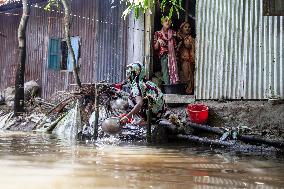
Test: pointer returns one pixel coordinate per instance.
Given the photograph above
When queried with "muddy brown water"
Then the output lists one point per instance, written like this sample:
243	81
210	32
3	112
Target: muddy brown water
36	161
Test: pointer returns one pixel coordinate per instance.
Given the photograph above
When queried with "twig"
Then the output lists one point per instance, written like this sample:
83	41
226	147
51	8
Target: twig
58	108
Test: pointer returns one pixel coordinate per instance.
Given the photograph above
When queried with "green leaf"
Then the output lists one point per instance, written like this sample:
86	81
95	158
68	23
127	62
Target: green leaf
177	11
51	3
47	7
138	6
146	3
127	11
171	12
136	12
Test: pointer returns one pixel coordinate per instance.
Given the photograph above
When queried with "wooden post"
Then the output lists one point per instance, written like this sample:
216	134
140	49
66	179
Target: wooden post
149	122
148	40
96	126
186	10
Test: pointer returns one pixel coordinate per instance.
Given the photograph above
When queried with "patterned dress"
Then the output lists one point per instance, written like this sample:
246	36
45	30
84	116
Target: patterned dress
167	55
151	94
187	62
164	49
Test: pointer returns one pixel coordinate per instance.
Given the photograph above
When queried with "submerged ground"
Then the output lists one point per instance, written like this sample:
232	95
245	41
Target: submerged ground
31	161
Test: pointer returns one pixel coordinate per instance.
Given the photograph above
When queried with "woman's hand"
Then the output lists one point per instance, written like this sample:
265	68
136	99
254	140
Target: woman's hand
162	42
135	110
124	119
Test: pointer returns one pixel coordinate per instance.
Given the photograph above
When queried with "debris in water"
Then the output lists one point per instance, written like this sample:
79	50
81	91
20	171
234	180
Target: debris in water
5	119
111	125
70	125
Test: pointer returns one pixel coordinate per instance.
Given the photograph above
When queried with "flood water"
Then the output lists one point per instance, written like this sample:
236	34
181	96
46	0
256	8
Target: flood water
35	161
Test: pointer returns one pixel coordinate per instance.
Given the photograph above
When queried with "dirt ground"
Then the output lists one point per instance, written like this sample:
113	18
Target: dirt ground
263	118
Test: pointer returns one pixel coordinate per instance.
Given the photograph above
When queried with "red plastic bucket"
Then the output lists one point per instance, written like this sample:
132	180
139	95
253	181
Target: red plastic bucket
198	113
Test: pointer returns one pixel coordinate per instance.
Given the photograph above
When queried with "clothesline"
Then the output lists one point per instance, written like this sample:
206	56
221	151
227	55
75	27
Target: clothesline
73	15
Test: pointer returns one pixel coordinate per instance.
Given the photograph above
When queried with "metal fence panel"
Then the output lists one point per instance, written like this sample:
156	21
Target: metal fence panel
239	51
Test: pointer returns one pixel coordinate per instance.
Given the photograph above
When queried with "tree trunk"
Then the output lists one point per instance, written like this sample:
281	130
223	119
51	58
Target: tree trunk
67	27
20	74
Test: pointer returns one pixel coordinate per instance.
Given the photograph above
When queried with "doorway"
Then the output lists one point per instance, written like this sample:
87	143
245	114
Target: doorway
184	16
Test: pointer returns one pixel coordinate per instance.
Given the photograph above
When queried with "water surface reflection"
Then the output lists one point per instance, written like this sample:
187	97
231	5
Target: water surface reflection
31	161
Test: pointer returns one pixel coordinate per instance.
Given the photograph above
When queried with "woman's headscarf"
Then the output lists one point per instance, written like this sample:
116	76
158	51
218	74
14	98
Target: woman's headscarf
135	71
180	32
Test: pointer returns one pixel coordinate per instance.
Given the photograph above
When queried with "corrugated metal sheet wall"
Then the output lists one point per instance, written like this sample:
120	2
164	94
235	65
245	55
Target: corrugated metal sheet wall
8	52
112	42
102	45
136	37
239	51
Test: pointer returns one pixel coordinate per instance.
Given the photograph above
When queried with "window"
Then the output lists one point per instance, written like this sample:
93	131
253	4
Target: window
58	56
54	54
273	7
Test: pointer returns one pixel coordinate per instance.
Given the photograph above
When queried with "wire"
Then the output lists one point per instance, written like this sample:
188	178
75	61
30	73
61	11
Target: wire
73	15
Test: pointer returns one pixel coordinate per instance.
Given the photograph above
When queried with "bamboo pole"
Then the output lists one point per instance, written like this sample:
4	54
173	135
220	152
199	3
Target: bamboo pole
149	121
96	126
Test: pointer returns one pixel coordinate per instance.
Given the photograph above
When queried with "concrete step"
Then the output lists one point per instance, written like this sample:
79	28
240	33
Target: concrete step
179	99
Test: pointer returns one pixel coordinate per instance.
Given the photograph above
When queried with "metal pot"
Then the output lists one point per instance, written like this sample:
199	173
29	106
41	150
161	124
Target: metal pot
111	125
119	104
